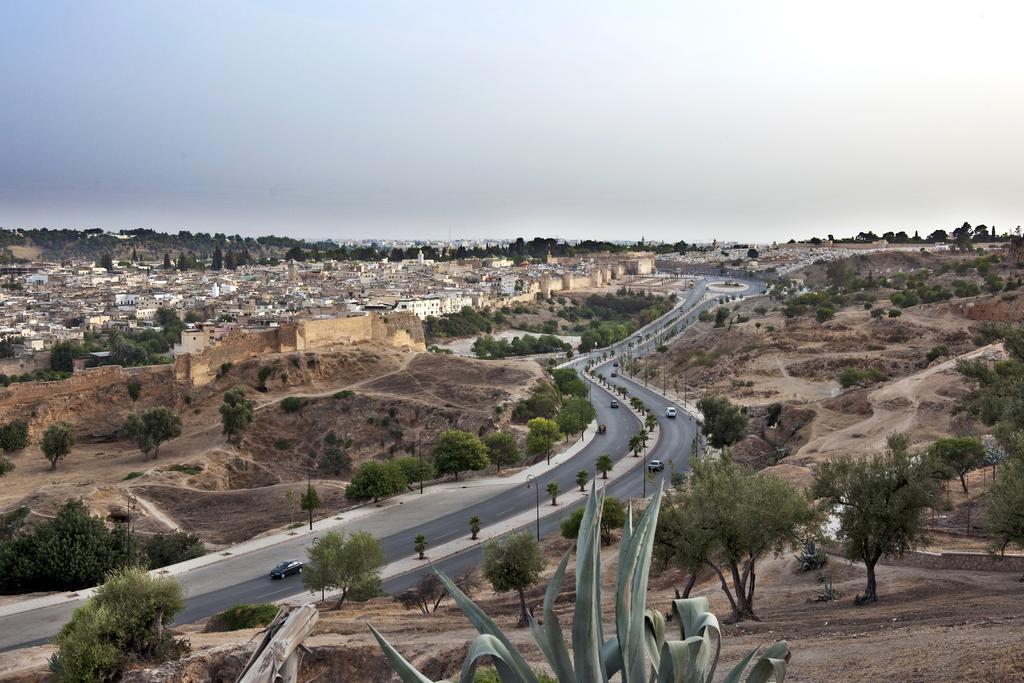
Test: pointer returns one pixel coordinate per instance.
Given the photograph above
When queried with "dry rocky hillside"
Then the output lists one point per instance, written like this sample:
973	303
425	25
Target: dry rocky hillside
377	400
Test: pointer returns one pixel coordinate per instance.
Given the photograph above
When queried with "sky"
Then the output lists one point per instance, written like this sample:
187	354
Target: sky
742	120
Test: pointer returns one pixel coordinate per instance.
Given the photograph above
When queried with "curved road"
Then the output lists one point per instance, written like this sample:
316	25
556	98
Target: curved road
243	579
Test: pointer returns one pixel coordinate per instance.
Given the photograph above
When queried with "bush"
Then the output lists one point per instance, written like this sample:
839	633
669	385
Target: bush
171	547
282	444
859	376
291	404
132	475
895	313
243	616
346	393
190	470
14	436
937	352
122	624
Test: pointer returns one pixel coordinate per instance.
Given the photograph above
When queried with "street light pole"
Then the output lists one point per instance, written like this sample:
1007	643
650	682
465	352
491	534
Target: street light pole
532	481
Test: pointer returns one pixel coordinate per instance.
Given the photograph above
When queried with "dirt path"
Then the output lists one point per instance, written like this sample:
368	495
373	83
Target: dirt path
154	512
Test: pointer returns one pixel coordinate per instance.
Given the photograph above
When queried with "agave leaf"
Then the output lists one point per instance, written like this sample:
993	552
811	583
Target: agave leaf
587	636
654	632
486	626
631	594
549	637
627	533
737	671
773	662
486	645
675	664
696	621
406	671
612	657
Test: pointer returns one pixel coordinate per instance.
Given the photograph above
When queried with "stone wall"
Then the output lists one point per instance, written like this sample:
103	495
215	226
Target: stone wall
953	560
402	329
39	360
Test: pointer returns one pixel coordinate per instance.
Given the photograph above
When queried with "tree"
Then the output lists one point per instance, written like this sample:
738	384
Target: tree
513	563
420	546
107	262
73	550
123	623
346	564
152	428
502	449
553	490
582	477
569	383
457	451
63	355
747	515
474	527
429	592
878	501
218	259
236	413
1004	508
57	442
575	415
637	443
542	437
724	423
613	517
335	461
604	464
167	262
309	502
375	480
958	455
6	466
14	436
415	469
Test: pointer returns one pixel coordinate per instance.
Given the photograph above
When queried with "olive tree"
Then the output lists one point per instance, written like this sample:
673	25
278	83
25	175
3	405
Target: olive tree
457	451
348	564
57	442
152	428
513	563
879	502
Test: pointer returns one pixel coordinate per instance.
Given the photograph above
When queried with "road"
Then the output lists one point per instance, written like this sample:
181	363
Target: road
243	579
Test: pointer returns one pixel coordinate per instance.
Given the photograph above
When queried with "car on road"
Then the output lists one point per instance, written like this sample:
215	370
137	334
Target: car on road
615	374
670	412
615	364
655	466
615	404
286	568
601	429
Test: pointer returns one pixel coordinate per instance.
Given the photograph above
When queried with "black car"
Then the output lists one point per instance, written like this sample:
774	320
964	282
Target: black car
615	374
286	568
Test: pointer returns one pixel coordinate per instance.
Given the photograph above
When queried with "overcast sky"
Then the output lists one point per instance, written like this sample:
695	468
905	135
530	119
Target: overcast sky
675	120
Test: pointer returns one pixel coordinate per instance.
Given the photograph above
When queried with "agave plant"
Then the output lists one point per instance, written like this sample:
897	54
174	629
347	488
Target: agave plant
638	650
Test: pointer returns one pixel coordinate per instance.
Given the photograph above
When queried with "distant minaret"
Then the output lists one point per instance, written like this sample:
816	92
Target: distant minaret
419	257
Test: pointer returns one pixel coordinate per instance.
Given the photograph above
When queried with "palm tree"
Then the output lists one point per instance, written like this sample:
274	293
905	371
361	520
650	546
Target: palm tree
581	480
604	465
553	490
421	545
474	526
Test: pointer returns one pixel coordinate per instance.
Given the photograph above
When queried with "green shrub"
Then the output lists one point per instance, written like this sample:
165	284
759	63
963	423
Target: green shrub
123	623
853	376
243	616
172	547
291	404
345	393
895	313
190	470
132	475
282	444
937	352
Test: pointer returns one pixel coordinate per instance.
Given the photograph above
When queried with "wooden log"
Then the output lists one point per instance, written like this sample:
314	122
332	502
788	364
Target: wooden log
275	658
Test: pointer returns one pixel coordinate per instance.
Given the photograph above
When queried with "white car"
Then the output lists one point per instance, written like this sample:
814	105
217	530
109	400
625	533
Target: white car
670	412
